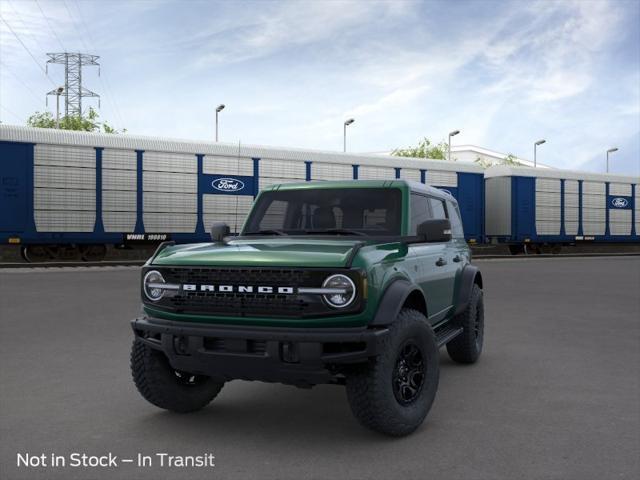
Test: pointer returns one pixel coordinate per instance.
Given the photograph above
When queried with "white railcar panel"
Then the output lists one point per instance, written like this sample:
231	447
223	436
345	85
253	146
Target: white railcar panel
571	200
411	174
551	199
119	221
64	220
119	159
547	185
594	201
594	214
331	171
571	186
571	214
548	227
65	177
214	164
442	178
598	188
119	180
231	209
619	222
64	156
571	228
119	201
170	222
169	162
282	169
547	213
170	202
170	182
620	189
366	172
593	228
64	199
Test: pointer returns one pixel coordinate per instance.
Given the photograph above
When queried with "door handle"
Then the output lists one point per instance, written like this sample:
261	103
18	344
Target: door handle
441	262
457	258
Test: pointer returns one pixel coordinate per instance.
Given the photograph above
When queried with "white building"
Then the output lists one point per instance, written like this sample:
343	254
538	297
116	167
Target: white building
470	153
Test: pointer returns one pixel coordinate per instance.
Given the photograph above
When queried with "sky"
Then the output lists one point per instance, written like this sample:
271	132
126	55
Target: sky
504	73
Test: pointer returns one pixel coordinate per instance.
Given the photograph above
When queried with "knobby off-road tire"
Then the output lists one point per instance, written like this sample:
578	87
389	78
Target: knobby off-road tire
167	388
467	347
373	390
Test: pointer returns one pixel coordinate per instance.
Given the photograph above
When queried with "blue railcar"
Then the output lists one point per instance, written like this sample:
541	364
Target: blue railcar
68	191
544	209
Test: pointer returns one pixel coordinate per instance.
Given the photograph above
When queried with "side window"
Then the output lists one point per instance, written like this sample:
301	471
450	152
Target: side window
420	211
437	207
456	222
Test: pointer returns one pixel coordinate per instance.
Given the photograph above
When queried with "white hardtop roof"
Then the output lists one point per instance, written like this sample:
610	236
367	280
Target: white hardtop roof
14	133
508	171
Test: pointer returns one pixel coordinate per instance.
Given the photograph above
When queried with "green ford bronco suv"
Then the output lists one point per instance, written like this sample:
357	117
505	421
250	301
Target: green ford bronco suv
355	283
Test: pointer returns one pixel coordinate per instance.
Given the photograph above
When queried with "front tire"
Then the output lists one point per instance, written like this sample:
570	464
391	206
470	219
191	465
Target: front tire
467	347
166	387
393	393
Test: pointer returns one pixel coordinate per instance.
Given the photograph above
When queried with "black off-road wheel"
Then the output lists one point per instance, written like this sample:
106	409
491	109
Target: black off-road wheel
393	393
467	347
166	387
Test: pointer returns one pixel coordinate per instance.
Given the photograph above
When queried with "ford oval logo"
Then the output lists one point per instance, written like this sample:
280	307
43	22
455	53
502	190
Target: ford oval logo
619	202
228	184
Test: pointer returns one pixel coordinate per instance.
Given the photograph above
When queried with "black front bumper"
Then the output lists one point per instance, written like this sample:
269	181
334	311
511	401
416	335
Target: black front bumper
287	355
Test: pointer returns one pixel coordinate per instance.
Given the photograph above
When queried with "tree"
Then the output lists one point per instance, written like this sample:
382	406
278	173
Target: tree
88	123
424	149
510	160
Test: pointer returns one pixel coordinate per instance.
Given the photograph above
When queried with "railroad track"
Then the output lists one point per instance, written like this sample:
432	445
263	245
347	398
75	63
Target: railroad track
137	263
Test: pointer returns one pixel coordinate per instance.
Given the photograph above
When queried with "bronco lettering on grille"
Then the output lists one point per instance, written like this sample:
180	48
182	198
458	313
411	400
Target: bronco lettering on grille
191	287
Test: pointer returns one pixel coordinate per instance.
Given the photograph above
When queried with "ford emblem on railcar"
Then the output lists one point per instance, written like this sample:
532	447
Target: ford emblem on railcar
228	184
619	202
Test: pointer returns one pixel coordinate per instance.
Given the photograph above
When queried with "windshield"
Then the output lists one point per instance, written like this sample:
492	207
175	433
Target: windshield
327	211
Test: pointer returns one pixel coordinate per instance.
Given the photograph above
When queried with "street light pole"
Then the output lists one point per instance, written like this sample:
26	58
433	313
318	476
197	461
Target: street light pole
611	150
219	108
535	152
59	91
452	134
344	134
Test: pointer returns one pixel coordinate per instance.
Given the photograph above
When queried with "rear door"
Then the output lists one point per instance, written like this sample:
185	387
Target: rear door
13	186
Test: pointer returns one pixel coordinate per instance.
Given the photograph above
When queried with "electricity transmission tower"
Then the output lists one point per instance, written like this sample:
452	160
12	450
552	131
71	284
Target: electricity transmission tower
74	92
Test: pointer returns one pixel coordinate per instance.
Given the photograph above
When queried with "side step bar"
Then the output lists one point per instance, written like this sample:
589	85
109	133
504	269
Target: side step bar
447	333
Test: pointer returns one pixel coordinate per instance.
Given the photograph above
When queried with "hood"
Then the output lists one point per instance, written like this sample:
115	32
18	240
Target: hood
276	252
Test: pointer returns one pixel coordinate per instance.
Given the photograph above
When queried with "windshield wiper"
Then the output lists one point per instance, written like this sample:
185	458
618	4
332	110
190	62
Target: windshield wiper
266	232
338	231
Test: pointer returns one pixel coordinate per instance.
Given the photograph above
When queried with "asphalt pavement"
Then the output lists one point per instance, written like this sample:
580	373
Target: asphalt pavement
556	393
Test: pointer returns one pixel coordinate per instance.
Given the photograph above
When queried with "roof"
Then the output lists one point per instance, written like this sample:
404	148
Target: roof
397	183
16	133
506	171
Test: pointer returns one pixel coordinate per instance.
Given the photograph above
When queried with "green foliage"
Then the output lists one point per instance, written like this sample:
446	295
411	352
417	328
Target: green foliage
424	149
88	123
510	160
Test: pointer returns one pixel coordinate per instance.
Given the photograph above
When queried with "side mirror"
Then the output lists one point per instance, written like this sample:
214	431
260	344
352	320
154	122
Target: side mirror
219	230
437	230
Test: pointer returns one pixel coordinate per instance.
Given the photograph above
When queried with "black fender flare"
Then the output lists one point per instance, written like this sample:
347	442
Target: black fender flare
470	275
392	301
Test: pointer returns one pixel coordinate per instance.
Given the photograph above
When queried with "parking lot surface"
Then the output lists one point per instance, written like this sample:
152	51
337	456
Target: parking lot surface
556	393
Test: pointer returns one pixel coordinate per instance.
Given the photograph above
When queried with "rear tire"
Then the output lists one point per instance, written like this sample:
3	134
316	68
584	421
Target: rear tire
393	393
467	347
166	387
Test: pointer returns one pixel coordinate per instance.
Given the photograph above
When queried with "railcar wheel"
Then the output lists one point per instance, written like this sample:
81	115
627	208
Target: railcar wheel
35	253
93	253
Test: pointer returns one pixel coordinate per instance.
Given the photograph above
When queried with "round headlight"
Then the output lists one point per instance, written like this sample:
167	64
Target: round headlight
345	291
150	285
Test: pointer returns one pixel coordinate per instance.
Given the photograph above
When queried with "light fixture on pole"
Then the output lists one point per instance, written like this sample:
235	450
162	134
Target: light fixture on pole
535	152
344	136
452	134
219	108
611	150
59	91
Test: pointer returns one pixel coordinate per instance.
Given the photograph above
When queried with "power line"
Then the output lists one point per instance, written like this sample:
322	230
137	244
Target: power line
105	84
75	27
28	51
20	81
24	25
11	113
50	27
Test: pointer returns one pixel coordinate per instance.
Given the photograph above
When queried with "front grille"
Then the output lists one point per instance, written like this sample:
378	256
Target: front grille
248	304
